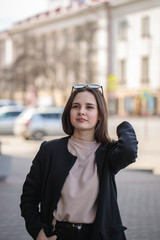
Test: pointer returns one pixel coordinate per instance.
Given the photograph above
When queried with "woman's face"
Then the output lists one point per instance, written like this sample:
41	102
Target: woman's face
84	112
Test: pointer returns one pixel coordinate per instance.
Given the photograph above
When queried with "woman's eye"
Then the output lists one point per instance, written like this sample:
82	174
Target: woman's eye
74	106
90	107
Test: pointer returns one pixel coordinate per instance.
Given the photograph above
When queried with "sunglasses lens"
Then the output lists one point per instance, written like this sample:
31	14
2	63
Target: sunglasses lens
79	86
94	86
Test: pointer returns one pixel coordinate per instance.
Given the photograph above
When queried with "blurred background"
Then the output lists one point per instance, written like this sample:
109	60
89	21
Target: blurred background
112	43
46	46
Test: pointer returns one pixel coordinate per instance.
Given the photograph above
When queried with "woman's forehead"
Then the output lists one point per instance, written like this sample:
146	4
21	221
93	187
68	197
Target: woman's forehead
85	97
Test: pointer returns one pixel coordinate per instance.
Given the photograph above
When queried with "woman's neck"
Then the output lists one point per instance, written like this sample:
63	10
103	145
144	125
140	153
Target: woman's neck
84	136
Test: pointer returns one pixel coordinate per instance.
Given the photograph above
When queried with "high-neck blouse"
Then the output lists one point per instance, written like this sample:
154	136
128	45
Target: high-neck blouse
78	203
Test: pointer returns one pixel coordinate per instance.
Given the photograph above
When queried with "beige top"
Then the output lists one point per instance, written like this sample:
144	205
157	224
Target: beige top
77	203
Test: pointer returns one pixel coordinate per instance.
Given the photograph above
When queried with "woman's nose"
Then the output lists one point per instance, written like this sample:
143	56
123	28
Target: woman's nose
82	111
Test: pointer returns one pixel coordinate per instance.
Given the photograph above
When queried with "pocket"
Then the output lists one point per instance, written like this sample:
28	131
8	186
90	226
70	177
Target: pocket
58	238
59	234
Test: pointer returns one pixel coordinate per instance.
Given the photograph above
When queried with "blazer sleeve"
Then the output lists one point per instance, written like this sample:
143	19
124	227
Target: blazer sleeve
125	149
30	198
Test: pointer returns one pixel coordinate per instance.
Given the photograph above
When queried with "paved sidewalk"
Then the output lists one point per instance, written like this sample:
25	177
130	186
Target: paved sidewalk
139	201
138	196
11	223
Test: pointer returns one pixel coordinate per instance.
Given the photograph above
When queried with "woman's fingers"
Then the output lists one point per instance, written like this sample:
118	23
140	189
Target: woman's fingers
53	238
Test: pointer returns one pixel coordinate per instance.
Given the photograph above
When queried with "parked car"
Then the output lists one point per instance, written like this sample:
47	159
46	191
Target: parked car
8	115
35	123
8	102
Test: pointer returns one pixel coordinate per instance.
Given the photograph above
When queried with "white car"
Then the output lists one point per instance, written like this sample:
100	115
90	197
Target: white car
8	102
35	123
8	115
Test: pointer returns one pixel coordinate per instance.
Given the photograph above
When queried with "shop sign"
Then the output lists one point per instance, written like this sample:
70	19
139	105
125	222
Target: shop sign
112	83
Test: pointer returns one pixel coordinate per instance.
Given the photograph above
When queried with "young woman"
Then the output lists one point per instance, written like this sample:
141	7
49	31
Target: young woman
73	178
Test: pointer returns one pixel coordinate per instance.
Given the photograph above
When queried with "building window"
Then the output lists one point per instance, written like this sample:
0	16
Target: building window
122	30
145	70
145	27
122	72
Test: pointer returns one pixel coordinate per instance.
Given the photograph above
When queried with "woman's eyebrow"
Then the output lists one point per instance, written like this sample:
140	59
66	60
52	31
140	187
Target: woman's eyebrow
85	103
90	104
75	103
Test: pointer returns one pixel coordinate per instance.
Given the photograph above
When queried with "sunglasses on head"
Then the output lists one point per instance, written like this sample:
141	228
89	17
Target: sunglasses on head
94	86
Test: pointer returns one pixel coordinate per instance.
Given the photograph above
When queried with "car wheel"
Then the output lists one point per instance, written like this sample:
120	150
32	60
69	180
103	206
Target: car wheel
38	135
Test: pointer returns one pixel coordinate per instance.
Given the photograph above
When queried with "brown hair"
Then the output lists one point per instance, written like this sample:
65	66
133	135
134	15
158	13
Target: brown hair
101	130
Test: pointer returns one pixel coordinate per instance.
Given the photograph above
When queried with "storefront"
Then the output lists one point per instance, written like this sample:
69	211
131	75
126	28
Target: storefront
133	105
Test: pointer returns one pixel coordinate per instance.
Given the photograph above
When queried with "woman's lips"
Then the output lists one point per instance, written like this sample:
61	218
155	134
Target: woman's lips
81	119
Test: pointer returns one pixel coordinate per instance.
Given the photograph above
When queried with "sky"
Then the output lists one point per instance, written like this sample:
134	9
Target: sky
12	11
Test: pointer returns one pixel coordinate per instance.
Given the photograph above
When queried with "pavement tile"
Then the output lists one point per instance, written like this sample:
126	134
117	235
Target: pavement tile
138	196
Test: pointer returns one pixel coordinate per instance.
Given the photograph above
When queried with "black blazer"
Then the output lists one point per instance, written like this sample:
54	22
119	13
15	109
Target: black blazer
50	169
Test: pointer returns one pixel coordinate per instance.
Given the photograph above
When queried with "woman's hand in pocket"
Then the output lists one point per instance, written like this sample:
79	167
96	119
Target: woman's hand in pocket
42	236
52	238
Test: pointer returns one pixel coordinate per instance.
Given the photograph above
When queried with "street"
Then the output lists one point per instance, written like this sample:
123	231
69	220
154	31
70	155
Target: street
138	187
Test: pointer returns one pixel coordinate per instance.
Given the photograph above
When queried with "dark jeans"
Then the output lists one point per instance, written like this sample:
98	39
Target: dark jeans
73	233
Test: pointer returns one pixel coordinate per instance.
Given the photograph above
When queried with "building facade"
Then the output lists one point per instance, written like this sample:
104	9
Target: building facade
112	43
135	56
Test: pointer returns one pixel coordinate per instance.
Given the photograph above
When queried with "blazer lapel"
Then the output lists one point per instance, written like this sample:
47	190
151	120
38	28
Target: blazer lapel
60	168
100	158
